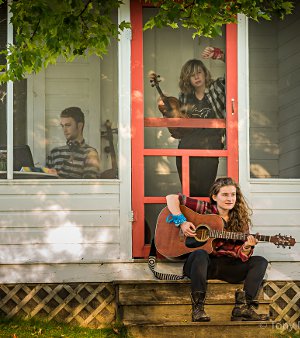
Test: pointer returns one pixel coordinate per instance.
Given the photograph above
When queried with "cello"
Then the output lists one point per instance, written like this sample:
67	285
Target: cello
113	172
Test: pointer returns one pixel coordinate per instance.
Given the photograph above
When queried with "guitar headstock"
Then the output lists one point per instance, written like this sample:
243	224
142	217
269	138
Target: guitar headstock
154	79
283	240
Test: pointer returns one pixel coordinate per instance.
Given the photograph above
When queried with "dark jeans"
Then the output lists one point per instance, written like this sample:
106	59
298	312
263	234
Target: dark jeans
203	172
200	266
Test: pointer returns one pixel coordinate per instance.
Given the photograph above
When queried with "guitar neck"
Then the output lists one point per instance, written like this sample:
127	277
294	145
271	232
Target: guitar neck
238	236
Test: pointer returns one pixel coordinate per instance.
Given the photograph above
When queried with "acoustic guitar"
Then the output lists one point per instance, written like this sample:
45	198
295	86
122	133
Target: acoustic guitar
170	241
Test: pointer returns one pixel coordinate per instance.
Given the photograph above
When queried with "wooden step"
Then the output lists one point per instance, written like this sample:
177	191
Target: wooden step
175	292
169	301
177	313
206	330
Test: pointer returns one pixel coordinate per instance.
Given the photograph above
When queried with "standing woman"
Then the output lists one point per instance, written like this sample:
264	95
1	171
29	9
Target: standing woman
231	260
201	97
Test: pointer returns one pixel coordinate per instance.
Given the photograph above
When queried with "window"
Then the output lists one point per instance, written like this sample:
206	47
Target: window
87	85
275	98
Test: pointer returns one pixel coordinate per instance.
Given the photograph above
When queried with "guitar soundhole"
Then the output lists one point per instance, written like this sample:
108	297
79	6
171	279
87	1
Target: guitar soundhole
202	233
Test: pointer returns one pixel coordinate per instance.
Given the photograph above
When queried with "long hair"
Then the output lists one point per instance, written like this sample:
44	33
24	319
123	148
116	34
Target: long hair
239	215
187	70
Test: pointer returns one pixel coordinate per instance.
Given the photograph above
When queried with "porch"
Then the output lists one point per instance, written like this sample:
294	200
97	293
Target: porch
95	295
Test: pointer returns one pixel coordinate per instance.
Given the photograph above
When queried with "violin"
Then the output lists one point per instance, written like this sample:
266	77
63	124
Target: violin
171	106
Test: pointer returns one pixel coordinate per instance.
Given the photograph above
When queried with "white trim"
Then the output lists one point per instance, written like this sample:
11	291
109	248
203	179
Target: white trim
243	102
124	48
94	102
38	115
117	271
9	102
29	109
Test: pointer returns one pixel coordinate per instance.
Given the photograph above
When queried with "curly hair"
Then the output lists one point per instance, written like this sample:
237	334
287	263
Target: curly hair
239	215
187	70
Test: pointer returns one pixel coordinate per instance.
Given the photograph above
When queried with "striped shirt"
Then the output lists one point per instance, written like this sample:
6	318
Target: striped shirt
221	247
81	161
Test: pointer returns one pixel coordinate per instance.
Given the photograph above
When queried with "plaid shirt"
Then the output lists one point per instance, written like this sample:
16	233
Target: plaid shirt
221	247
216	97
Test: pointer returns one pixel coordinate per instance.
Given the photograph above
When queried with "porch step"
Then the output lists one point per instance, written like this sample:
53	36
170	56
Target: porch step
202	330
163	309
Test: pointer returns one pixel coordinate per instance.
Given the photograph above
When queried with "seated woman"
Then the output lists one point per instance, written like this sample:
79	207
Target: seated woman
231	260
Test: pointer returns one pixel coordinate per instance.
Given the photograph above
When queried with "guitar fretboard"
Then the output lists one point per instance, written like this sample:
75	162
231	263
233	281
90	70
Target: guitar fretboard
238	235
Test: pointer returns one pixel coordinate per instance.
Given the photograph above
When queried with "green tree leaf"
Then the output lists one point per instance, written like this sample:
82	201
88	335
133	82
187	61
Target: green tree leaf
45	30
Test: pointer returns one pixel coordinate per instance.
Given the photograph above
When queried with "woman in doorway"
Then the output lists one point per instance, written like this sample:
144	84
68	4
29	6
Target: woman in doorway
201	97
231	260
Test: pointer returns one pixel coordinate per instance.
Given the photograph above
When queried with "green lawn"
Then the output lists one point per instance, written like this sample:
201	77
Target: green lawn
18	328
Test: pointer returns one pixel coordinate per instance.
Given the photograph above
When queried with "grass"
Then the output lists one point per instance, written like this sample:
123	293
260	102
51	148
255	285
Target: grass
288	335
20	328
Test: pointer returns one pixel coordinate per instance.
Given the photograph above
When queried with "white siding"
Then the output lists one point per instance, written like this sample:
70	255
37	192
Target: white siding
276	210
59	223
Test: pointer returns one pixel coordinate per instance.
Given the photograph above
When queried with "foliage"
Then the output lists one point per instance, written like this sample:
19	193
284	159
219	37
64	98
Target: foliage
46	29
207	17
18	328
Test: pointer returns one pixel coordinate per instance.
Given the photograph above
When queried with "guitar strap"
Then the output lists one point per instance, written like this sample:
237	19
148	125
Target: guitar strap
152	264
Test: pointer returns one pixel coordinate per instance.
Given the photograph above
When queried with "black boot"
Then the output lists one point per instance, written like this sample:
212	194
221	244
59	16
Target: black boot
244	310
198	314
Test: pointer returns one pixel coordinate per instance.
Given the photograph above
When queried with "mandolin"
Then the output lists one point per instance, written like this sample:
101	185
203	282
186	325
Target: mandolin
171	106
170	241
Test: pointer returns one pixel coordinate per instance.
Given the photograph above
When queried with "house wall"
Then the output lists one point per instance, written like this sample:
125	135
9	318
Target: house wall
263	81
71	221
274	97
49	228
289	95
275	202
59	223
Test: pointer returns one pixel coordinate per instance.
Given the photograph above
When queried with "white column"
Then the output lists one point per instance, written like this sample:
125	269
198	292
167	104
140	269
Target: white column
124	134
9	103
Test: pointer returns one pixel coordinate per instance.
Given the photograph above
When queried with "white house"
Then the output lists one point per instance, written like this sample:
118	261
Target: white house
94	231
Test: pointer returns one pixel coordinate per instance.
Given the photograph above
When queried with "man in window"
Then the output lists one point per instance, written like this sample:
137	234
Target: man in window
76	159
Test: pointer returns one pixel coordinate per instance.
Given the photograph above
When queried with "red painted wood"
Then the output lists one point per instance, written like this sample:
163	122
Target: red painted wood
185	174
162	199
187	123
232	101
185	152
139	122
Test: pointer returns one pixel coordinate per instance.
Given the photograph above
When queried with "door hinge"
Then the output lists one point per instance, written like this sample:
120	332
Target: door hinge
131	216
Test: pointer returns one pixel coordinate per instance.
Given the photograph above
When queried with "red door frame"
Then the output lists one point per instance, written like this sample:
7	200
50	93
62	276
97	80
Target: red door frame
139	122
